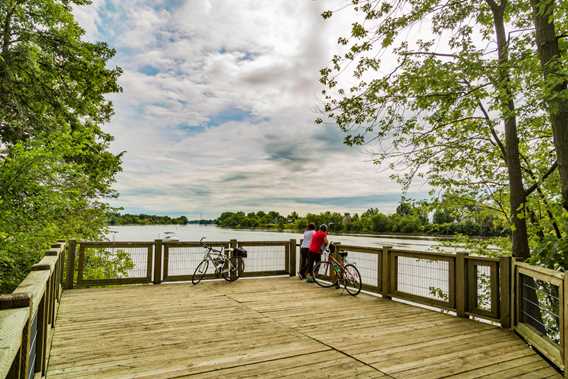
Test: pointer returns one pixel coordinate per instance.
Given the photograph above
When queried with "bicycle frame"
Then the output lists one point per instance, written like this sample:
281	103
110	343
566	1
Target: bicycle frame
217	258
335	263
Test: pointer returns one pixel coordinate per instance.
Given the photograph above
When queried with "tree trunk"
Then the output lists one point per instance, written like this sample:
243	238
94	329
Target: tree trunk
555	84
517	196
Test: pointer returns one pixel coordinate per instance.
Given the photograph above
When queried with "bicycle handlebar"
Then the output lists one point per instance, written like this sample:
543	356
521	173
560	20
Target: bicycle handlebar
201	241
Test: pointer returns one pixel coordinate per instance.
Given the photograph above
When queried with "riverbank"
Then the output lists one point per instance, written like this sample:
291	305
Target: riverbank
408	236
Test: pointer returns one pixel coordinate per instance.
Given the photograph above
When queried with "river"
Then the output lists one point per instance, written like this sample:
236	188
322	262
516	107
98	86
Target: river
212	232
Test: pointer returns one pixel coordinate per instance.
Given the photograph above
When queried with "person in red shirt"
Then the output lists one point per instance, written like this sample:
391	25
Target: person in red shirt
319	241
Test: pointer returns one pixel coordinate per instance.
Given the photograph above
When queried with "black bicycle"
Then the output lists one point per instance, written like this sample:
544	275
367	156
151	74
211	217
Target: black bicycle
227	263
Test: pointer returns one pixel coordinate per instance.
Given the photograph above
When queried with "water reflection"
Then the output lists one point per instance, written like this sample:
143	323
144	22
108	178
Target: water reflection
195	232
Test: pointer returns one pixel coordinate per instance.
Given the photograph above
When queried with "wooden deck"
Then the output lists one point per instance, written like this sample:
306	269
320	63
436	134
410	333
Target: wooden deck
279	327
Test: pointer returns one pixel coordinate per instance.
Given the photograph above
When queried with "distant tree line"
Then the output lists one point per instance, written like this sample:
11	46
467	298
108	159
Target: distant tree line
201	222
143	219
435	218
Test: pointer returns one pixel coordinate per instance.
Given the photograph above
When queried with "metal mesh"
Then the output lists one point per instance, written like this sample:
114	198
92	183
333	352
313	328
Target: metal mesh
483	287
367	264
184	260
540	307
33	347
115	263
265	258
423	277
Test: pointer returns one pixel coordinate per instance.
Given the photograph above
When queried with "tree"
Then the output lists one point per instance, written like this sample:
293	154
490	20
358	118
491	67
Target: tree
448	105
555	87
55	165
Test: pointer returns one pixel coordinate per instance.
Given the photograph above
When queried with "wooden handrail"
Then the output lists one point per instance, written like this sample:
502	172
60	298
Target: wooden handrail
36	298
557	353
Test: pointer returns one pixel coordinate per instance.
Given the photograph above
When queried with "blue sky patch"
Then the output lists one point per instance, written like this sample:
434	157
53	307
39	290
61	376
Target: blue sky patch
247	56
150	70
230	114
361	202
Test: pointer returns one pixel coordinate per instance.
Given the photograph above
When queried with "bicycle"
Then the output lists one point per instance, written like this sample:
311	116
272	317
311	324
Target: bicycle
228	268
335	268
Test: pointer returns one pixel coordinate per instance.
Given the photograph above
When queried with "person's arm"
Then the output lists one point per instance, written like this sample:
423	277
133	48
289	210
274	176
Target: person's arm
325	241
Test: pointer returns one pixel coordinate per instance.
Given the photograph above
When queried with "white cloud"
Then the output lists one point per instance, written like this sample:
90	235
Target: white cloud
218	107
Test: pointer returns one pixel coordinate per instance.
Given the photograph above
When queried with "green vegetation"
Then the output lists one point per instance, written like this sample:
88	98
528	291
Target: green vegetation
476	106
107	264
55	166
142	219
410	218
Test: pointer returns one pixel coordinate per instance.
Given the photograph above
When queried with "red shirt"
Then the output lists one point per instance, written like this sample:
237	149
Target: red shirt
317	241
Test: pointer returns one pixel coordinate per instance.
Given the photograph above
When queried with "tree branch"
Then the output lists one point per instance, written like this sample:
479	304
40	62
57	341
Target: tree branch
535	186
493	131
430	53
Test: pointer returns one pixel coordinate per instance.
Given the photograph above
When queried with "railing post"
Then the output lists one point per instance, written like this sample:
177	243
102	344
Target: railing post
158	261
505	291
461	285
233	244
386	272
292	259
42	325
22	360
565	324
513	294
70	264
287	257
333	274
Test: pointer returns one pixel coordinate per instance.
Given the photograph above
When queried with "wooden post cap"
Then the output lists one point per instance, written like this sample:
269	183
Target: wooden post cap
15	300
41	267
52	252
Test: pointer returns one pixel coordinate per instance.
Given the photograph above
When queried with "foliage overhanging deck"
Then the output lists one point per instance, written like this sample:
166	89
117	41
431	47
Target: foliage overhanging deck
272	327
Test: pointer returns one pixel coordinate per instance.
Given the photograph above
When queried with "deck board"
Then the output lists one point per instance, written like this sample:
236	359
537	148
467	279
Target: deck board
272	327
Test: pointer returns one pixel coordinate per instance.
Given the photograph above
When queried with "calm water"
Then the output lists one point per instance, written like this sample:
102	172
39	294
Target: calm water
211	232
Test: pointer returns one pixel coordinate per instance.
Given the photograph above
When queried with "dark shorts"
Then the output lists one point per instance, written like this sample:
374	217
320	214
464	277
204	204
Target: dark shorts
313	259
304	251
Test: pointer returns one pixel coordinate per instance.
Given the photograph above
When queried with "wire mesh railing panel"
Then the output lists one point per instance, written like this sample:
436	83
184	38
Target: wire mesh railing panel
265	258
33	347
367	264
184	260
483	288
540	307
423	277
115	262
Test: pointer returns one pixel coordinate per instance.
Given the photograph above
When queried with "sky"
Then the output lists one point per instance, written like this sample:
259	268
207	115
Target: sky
218	106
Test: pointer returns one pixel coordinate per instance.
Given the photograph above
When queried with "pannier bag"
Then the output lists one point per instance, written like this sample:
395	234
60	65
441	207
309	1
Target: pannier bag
240	252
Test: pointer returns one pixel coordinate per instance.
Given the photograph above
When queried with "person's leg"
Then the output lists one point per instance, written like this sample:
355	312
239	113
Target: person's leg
310	266
317	259
303	262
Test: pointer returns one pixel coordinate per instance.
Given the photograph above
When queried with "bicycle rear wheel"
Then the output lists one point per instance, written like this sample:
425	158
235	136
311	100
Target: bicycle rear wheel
322	274
200	271
352	280
235	267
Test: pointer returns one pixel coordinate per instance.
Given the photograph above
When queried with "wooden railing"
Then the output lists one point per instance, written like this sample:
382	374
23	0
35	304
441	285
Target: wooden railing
532	300
27	318
467	285
157	261
540	313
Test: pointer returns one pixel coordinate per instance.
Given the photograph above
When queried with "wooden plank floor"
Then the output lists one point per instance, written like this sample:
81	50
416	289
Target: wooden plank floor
277	327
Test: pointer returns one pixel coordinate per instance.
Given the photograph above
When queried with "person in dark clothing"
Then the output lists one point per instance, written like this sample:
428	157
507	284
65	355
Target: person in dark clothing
305	249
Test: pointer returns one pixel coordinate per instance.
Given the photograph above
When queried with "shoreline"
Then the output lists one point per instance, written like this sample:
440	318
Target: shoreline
408	236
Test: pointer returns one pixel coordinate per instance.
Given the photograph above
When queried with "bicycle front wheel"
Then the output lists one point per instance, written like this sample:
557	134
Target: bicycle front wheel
322	274
200	271
352	280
